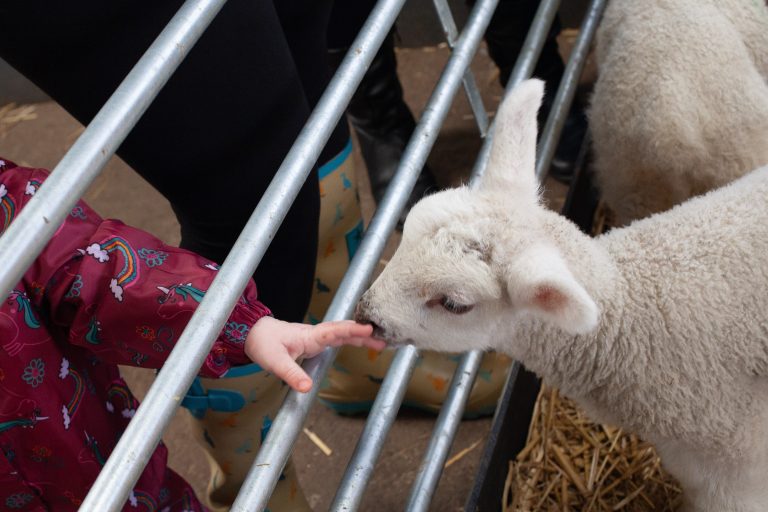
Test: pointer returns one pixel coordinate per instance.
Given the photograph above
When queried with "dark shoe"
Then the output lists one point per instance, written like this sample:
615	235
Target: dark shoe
384	124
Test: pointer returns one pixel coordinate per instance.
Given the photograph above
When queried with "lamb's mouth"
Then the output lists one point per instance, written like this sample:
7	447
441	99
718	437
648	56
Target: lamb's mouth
391	339
391	343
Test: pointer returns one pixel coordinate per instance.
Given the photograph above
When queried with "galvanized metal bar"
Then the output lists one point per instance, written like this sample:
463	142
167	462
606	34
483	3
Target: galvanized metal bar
461	384
142	435
445	431
526	62
38	221
476	102
470	84
567	90
380	419
509	427
350	492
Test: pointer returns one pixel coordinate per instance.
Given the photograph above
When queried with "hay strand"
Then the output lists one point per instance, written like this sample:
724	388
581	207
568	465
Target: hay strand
318	442
461	454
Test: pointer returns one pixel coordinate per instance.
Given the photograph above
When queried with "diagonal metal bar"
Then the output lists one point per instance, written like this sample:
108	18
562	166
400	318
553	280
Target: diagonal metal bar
30	232
143	433
461	386
567	90
445	431
470	84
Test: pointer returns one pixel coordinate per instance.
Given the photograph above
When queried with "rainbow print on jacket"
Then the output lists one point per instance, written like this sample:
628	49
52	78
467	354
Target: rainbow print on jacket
128	274
69	409
7	207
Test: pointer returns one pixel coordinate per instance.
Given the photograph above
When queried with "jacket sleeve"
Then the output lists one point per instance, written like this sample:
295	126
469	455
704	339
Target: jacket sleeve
121	293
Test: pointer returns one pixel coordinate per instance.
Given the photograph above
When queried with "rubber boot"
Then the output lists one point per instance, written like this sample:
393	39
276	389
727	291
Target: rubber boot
232	415
384	124
340	229
231	418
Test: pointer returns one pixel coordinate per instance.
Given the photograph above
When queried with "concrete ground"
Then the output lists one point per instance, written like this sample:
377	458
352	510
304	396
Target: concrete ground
41	134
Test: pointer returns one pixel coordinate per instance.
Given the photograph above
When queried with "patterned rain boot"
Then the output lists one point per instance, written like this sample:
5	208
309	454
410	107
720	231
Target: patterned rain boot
233	416
341	229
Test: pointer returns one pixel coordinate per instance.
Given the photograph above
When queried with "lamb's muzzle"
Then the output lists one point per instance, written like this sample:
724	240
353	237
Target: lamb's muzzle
363	316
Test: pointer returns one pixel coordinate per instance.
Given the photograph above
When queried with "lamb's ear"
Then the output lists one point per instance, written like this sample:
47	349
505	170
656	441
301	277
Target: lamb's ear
513	149
539	282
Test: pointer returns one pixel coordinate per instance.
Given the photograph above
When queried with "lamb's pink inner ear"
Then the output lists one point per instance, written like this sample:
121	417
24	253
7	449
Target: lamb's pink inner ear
549	299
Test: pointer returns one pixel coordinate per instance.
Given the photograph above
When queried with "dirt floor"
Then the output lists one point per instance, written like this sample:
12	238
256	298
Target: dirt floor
40	134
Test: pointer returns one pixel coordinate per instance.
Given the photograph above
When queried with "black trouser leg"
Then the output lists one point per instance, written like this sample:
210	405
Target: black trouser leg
506	34
214	137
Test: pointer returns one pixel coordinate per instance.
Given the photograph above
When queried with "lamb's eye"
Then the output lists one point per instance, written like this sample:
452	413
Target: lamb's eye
455	307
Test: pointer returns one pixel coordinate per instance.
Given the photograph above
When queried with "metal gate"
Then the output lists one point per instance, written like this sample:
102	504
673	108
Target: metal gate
36	224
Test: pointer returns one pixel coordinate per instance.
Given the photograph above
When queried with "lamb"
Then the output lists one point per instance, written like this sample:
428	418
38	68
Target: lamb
659	327
680	106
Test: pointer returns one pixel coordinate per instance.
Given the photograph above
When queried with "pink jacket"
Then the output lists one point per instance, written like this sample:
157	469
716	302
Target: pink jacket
100	294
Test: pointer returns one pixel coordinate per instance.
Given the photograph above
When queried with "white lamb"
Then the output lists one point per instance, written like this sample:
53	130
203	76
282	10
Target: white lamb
680	106
660	327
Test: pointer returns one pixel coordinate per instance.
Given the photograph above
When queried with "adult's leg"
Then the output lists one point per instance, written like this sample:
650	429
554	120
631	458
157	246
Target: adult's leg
214	136
506	34
236	436
341	224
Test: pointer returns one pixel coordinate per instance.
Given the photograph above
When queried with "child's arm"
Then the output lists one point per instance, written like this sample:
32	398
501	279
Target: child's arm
127	297
122	294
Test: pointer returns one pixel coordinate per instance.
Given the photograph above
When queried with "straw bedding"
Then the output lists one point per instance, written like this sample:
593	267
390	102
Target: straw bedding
571	463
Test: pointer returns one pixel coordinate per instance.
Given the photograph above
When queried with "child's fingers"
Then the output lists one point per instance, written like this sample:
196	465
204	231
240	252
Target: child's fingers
358	341
327	332
285	368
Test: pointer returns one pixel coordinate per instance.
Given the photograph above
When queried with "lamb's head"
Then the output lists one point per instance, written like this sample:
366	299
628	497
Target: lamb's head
475	261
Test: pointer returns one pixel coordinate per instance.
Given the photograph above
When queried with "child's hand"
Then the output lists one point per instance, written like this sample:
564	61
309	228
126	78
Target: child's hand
275	345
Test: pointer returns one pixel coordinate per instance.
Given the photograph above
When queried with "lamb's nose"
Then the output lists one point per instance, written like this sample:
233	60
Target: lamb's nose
362	317
361	314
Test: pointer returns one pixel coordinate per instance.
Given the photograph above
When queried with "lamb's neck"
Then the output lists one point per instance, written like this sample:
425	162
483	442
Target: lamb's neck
577	364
